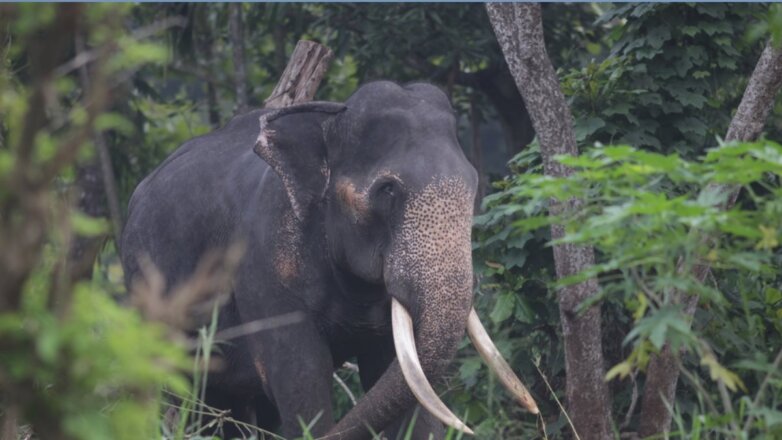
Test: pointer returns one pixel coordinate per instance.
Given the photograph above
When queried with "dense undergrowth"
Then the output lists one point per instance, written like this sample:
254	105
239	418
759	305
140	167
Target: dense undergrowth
664	78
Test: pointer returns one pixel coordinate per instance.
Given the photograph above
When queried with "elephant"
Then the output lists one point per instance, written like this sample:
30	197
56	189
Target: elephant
356	215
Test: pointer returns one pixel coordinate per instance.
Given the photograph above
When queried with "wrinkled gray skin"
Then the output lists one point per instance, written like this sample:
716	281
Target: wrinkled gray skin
347	207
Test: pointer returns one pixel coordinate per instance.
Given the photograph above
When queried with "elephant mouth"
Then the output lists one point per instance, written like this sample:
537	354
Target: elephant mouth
405	346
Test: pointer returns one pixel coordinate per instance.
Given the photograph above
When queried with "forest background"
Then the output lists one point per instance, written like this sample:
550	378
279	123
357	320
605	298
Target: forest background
94	96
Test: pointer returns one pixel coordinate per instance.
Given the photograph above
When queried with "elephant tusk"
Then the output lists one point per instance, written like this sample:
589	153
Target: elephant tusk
404	343
494	359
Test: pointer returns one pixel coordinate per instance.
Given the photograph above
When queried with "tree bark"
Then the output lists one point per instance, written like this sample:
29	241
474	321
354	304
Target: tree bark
24	211
107	183
236	29
305	70
477	156
519	31
206	54
746	125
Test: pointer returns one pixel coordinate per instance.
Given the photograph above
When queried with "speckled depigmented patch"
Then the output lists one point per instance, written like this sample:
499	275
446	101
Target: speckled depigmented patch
261	370
287	250
355	202
434	252
352	201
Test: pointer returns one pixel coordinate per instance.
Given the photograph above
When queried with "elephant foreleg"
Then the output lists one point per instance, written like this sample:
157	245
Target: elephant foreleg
297	366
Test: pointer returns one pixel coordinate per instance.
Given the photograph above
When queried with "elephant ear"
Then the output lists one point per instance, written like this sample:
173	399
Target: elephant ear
291	141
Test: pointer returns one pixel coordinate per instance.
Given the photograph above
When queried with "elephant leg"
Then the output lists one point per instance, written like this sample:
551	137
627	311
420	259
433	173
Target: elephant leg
295	363
372	363
239	410
266	415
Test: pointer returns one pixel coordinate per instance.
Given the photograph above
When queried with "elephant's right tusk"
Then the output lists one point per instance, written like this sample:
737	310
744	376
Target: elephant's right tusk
404	343
494	359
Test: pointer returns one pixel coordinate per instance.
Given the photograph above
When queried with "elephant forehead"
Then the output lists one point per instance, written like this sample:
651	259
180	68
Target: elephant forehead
384	94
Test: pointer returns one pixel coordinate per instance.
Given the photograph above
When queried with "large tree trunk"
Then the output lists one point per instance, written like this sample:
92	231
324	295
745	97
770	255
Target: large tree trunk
519	31
663	371
236	28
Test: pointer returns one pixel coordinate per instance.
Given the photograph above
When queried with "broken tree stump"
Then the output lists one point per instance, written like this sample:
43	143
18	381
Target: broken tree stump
302	76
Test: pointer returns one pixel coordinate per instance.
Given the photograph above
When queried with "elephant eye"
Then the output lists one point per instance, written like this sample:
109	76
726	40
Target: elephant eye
387	189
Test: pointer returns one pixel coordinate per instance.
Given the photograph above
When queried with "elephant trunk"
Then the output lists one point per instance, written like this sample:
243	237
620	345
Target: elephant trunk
429	277
423	349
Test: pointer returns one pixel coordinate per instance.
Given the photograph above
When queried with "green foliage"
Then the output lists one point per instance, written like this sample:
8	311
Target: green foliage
75	363
663	77
515	294
433	38
651	218
93	374
672	72
672	76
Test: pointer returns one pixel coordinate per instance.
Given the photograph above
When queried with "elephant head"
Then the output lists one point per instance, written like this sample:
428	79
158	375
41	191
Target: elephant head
387	173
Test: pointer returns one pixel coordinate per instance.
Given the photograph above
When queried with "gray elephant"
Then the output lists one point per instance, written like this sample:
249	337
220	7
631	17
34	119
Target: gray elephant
356	215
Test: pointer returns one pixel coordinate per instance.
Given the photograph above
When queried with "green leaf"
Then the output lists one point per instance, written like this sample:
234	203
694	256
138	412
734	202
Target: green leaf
503	308
524	313
771	417
586	127
690	30
720	373
87	226
622	369
469	368
114	121
665	325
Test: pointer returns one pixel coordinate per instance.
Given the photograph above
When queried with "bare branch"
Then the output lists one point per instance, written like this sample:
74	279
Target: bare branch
249	328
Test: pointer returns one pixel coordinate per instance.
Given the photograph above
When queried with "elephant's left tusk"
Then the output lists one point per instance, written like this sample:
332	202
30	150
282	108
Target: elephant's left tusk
404	343
494	359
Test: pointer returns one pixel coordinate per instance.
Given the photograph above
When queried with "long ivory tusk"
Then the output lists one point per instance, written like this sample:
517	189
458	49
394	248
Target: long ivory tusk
404	343
494	359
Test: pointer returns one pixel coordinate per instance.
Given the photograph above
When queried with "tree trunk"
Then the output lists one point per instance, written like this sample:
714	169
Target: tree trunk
24	211
107	183
519	31
236	29
302	76
663	371
206	54
477	156
499	86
